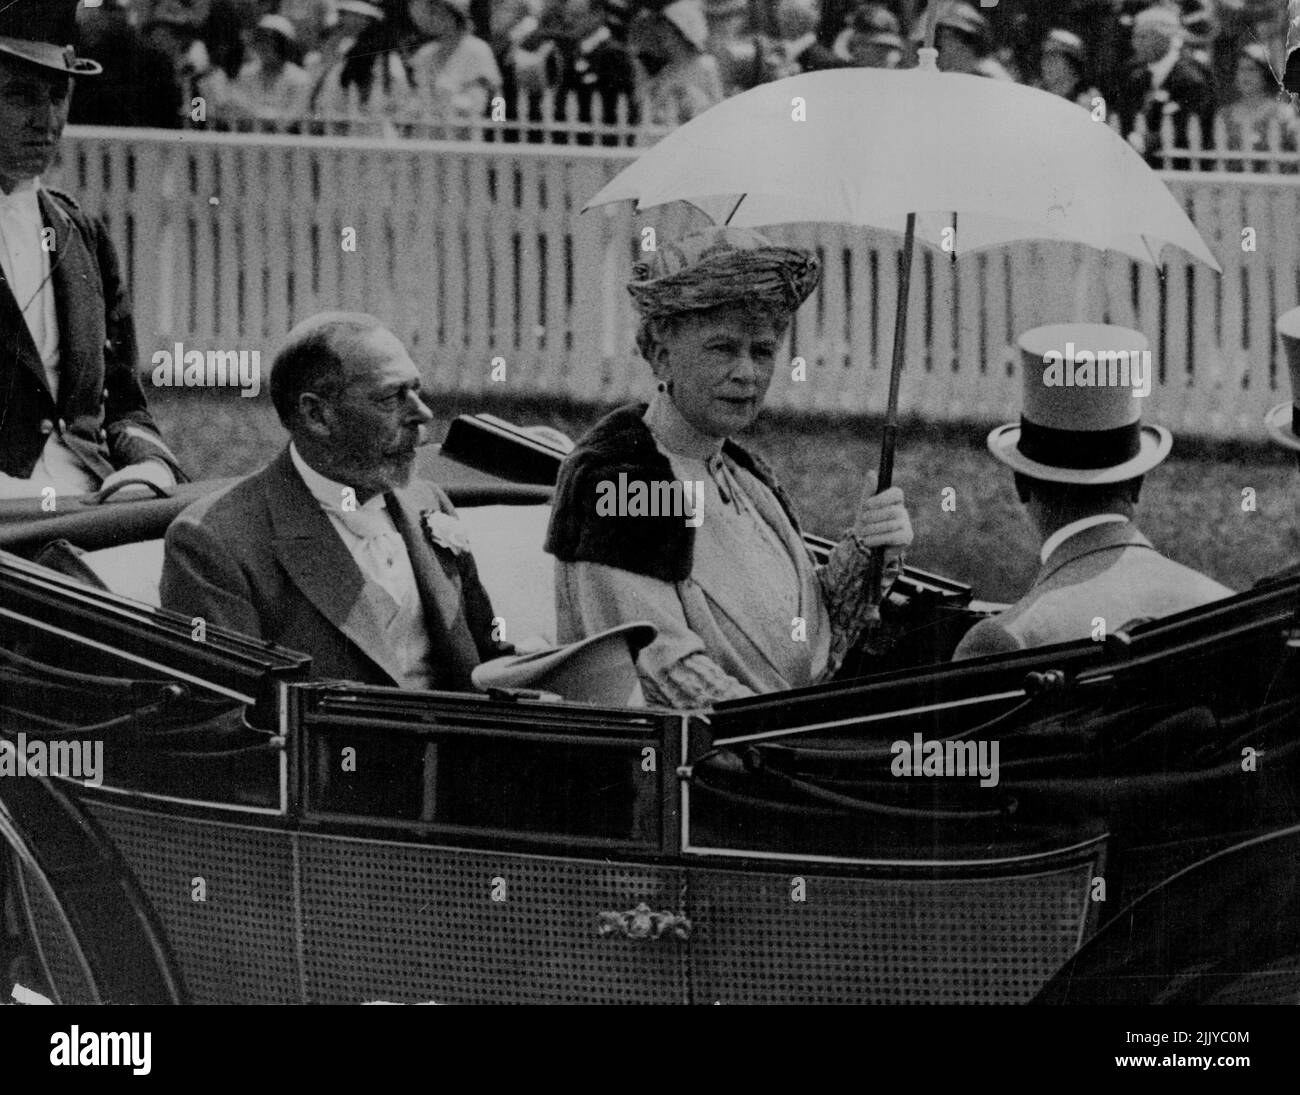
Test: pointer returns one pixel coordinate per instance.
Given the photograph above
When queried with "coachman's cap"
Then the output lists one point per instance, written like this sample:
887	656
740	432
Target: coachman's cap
42	33
1085	433
1283	421
720	266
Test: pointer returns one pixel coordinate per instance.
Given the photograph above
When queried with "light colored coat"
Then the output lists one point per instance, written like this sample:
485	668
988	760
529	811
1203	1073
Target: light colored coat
1108	572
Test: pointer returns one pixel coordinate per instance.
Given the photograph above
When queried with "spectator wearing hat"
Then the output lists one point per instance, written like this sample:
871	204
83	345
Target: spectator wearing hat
351	20
1256	120
454	72
271	87
872	39
595	66
797	48
575	51
347	19
1163	82
225	29
1061	69
523	44
740	606
176	32
1201	35
962	38
192	13
744	56
138	86
376	75
834	18
680	79
75	415
1079	454
311	21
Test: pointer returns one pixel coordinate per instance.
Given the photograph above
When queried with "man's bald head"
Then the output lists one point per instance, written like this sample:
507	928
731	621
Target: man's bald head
314	358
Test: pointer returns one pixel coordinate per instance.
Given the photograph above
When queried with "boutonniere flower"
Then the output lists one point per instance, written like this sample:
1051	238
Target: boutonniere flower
444	531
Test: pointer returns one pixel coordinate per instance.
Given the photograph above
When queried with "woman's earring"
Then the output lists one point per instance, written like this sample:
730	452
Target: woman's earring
662	386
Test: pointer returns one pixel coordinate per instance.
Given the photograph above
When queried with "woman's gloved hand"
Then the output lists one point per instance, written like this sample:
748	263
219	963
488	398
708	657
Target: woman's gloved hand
882	521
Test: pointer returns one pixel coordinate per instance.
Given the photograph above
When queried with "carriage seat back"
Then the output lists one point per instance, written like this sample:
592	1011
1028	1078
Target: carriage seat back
506	541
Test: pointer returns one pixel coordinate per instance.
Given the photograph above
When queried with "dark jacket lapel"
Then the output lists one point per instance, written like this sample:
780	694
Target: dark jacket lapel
79	306
452	651
322	568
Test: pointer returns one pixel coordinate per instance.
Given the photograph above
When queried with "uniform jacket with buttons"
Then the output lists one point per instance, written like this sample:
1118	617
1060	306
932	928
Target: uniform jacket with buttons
101	408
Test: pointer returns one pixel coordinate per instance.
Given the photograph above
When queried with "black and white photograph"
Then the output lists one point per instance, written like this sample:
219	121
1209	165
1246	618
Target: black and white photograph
624	502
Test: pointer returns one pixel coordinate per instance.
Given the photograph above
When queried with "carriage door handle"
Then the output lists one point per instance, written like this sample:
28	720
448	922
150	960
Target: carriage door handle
643	923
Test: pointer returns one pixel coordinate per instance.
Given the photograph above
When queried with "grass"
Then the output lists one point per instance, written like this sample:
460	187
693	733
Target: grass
1191	505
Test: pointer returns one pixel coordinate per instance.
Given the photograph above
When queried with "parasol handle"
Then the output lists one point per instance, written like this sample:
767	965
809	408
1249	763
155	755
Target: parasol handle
889	434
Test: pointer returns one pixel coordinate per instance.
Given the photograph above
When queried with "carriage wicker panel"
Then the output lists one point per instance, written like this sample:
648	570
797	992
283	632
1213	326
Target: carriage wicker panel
55	944
387	921
411	923
882	940
237	946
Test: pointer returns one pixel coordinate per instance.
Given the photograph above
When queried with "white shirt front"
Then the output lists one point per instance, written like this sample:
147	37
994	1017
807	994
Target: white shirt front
380	553
27	269
26	266
1074	528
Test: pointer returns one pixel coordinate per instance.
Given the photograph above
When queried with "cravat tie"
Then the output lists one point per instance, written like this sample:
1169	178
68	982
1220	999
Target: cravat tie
383	550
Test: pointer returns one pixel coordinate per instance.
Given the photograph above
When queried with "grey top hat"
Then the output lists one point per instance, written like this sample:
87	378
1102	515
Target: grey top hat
598	669
1283	421
1081	420
42	33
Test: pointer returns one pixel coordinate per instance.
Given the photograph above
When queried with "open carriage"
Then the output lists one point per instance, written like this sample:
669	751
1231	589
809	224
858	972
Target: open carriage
256	837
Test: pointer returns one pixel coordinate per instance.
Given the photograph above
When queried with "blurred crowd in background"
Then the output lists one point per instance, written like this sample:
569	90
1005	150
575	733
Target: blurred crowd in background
296	64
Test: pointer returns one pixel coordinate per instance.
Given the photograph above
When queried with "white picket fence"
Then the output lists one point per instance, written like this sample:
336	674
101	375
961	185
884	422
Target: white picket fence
405	114
554	119
477	256
1273	150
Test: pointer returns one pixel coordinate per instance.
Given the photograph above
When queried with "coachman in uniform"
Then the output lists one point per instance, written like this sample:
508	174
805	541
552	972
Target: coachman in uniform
73	414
